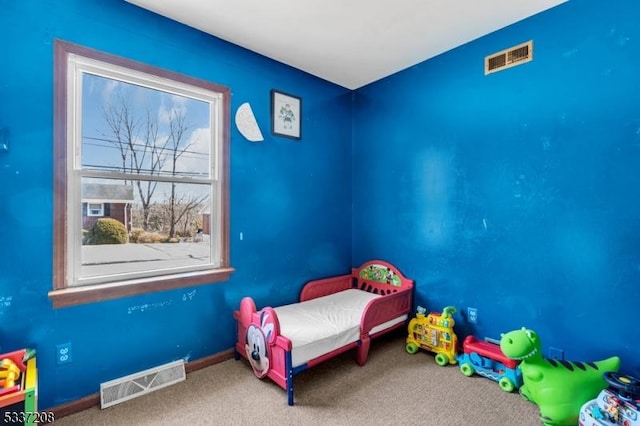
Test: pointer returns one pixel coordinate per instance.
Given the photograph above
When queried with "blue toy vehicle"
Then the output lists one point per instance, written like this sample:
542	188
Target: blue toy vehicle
486	359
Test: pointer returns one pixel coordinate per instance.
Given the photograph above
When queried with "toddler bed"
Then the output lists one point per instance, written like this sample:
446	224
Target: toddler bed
333	316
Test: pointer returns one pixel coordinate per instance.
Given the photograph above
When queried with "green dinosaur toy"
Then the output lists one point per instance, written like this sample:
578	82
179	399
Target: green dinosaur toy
559	388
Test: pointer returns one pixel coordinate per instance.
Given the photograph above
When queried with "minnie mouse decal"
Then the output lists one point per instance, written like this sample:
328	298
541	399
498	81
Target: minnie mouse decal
257	338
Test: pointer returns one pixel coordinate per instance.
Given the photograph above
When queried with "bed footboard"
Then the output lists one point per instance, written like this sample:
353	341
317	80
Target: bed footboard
259	341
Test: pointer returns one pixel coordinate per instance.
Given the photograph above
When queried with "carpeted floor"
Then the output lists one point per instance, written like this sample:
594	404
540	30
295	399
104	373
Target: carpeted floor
392	388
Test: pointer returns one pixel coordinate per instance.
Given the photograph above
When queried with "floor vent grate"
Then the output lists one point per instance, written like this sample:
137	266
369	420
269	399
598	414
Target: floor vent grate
510	57
134	385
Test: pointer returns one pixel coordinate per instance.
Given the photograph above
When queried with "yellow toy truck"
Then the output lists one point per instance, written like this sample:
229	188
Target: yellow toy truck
434	333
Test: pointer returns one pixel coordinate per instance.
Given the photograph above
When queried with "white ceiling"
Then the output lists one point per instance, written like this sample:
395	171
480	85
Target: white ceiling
348	42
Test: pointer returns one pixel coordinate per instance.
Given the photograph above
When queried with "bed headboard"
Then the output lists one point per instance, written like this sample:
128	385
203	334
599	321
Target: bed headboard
379	277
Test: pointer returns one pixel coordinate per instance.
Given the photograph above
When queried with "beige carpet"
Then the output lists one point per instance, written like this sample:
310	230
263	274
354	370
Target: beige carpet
392	388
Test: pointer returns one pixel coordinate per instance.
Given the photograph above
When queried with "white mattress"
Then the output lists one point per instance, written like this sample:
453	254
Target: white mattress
321	325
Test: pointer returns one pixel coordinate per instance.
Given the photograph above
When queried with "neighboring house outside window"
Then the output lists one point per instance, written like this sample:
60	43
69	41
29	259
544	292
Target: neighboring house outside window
149	148
100	200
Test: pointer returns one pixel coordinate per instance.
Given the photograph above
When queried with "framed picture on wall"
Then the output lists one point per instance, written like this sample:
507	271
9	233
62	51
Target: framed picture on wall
286	115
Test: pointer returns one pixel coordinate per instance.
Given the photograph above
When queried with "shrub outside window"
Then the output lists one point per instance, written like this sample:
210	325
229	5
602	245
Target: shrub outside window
141	171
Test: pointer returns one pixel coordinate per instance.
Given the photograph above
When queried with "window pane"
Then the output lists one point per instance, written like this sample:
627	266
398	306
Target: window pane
95	209
130	128
151	227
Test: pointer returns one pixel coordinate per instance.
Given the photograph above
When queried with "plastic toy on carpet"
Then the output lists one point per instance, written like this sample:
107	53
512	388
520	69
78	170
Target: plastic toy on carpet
486	359
619	404
434	332
559	388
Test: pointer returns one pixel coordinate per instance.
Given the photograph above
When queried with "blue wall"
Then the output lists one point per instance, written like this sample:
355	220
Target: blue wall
517	193
291	200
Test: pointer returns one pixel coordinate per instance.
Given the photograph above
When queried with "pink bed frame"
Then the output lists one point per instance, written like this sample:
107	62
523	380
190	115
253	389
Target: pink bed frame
375	276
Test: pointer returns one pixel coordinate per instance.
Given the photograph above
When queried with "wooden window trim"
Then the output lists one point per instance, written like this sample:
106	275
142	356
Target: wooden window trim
95	293
62	295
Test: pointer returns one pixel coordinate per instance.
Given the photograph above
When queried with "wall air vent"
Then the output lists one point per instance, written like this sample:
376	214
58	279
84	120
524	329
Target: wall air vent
510	57
137	384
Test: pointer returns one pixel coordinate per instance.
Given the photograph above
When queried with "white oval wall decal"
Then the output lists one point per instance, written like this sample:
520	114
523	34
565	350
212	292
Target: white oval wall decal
246	123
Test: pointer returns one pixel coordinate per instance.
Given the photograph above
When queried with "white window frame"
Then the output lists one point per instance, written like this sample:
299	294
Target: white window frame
90	212
70	287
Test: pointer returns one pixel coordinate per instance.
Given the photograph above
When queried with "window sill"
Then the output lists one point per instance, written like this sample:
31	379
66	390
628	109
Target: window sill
97	293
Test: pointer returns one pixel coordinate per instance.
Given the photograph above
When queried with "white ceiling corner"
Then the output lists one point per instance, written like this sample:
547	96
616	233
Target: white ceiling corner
350	43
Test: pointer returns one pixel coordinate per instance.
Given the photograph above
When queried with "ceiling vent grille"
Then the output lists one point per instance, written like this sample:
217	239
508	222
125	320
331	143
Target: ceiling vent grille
510	57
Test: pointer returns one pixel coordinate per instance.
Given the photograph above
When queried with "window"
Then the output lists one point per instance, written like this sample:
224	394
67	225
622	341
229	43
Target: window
95	209
153	146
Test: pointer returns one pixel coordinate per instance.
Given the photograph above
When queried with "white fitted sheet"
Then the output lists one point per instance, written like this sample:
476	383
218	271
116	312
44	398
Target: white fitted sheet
318	326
